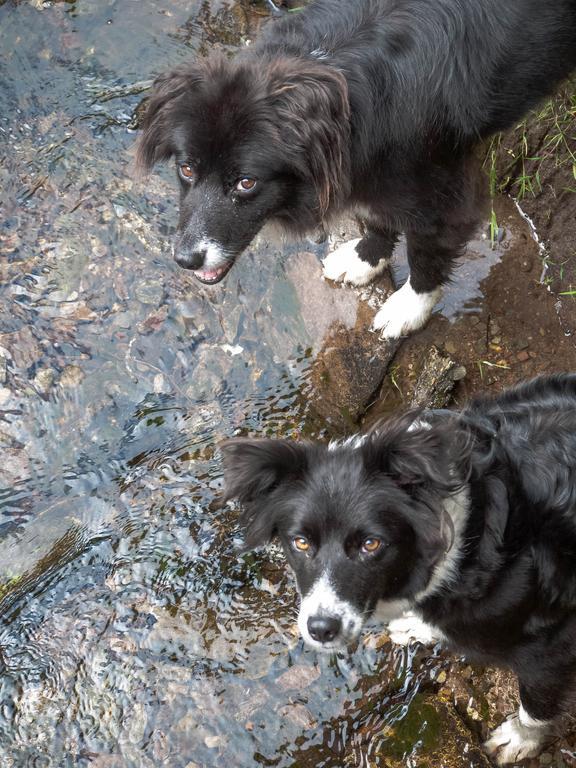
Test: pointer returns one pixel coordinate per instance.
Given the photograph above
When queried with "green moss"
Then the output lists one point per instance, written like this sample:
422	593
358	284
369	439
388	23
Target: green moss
421	727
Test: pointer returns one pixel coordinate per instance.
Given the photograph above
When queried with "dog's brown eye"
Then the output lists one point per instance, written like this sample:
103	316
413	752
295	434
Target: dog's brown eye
186	171
246	185
301	543
371	545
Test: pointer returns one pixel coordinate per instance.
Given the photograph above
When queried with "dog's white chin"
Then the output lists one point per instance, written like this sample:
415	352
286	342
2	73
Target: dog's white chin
322	599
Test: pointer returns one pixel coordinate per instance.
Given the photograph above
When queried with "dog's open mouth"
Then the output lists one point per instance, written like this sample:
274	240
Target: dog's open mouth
212	276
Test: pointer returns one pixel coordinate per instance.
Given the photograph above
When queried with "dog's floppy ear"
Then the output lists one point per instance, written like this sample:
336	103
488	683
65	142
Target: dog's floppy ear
155	143
253	470
312	115
416	454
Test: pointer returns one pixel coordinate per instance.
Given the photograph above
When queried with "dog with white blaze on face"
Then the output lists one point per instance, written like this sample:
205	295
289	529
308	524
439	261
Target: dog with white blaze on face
367	107
452	526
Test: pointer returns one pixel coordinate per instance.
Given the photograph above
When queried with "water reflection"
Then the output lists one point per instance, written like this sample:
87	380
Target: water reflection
132	633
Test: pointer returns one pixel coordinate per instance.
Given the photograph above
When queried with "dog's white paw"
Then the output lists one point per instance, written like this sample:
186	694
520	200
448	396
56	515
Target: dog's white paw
513	741
405	311
410	627
344	265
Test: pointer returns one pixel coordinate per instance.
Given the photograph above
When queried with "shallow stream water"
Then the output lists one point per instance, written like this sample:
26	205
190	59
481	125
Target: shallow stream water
132	633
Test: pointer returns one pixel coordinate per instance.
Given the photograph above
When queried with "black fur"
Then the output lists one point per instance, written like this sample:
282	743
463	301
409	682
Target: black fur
369	105
511	600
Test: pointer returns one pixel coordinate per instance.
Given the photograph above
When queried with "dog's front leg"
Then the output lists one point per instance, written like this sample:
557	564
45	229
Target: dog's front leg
430	259
360	260
524	734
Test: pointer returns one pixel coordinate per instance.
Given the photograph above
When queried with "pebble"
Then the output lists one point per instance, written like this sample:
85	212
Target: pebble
138	720
298	677
522	356
213	741
161	747
459	373
150	292
71	376
43	380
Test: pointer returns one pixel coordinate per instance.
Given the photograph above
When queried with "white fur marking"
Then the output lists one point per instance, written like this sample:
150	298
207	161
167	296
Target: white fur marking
345	265
215	254
322	600
405	311
530	722
410	627
388	610
517	738
446	570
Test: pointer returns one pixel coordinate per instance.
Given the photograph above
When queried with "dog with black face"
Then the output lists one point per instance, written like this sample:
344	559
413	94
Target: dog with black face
370	107
458	526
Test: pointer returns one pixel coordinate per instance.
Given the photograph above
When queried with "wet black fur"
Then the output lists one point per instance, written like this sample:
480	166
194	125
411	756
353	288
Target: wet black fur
370	105
512	601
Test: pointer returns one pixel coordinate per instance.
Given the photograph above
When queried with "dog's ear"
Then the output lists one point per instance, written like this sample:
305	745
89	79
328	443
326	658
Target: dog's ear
253	471
415	453
312	115
155	143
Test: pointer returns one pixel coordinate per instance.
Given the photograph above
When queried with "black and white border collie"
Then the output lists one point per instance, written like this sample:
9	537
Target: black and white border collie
371	107
452	525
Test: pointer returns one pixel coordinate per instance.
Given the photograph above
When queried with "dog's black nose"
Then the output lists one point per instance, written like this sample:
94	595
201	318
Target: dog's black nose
190	259
323	629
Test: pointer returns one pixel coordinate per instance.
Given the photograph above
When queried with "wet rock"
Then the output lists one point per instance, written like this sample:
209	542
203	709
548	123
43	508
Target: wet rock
347	374
299	715
154	320
298	677
168	632
44	380
71	376
5	395
350	360
137	720
432	733
22	345
160	746
149	292
214	741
